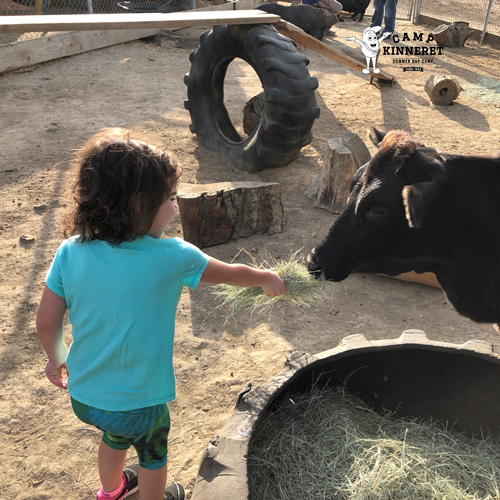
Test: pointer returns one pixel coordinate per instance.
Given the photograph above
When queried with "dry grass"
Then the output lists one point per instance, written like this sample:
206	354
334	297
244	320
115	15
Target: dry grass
327	444
301	288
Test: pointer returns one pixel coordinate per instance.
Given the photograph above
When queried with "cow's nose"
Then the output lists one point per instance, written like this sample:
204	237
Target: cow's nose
313	266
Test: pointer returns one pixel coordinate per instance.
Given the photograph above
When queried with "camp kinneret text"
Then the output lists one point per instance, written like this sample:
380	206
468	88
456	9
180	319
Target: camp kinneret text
412	51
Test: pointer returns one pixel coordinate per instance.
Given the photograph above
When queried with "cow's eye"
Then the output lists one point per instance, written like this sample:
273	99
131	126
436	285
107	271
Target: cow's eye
376	212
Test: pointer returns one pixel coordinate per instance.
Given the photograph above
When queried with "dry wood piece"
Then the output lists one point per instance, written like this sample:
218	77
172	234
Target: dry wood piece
442	90
252	113
357	147
454	35
330	189
212	214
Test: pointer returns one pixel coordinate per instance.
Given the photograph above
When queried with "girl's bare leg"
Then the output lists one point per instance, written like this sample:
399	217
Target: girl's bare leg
111	464
152	483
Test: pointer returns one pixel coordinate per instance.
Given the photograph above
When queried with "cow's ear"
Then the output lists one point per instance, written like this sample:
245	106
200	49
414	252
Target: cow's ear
418	198
425	179
376	136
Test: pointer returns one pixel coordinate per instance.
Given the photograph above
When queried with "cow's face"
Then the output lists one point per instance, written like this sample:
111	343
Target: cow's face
382	226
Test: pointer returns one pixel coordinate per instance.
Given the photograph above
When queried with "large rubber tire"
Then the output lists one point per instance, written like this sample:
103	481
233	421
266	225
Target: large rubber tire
290	108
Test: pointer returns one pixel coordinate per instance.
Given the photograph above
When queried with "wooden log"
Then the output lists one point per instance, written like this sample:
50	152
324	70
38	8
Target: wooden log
442	90
252	113
212	214
454	35
330	189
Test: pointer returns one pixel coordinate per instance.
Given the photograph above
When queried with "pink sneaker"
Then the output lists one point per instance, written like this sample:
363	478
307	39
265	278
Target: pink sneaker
131	484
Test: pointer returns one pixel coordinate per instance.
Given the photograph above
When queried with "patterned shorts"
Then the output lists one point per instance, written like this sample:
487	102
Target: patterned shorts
146	429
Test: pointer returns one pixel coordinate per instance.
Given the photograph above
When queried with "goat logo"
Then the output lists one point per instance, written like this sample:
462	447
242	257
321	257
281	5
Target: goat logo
370	46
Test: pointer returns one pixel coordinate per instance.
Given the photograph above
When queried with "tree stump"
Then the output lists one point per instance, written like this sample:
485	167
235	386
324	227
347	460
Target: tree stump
212	214
442	90
252	113
330	189
357	147
454	35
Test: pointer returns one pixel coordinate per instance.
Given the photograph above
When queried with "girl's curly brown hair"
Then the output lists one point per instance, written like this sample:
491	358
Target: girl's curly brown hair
121	184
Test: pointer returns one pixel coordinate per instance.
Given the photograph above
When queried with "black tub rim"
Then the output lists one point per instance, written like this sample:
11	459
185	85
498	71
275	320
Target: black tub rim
223	475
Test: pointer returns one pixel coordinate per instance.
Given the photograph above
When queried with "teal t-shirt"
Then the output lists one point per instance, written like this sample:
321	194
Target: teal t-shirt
122	301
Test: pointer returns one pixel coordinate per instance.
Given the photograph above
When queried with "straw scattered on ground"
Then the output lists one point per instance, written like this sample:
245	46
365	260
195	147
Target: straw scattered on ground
301	288
327	444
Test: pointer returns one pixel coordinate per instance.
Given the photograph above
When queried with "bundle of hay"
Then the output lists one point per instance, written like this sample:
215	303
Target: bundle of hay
301	288
327	444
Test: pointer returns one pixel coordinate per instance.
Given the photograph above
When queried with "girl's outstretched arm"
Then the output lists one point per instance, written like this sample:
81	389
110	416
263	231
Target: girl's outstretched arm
49	326
218	272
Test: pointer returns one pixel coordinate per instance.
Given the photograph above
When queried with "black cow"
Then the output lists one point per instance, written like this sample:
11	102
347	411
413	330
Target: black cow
303	16
412	208
356	7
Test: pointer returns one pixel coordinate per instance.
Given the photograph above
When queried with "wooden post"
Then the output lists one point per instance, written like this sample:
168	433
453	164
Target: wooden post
330	189
212	214
442	90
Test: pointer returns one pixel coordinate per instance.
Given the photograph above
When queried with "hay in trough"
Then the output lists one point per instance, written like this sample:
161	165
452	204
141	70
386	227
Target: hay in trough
301	288
327	444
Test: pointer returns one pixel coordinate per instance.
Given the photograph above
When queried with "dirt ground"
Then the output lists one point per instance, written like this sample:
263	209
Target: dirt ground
50	110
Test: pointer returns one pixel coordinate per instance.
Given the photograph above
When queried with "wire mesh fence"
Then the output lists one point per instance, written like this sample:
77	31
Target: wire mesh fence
404	9
480	14
41	7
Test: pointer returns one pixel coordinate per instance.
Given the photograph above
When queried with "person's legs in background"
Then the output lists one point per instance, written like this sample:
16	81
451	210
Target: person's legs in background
390	16
378	13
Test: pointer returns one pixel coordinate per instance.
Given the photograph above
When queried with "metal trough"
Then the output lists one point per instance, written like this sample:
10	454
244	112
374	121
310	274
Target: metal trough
411	376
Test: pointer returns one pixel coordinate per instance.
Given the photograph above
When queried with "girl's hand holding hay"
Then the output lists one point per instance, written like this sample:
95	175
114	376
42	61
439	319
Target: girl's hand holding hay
301	287
274	285
240	275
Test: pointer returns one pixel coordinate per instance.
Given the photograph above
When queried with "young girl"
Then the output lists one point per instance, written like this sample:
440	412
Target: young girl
121	283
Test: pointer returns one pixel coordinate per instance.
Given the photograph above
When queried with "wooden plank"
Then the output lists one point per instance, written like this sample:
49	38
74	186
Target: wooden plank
46	48
300	36
89	22
37	50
